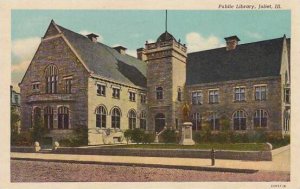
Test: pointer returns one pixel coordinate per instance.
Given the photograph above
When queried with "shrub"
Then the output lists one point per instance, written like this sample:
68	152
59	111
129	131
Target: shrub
137	135
14	119
38	131
224	124
148	138
169	136
206	135
273	137
23	139
197	136
128	135
79	138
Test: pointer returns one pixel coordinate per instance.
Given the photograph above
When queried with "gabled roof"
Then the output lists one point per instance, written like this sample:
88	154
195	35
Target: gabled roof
106	62
252	60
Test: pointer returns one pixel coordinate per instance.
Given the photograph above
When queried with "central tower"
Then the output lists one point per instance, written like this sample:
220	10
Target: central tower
166	76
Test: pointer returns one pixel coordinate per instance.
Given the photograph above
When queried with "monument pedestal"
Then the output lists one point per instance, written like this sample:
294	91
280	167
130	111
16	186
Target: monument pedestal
186	134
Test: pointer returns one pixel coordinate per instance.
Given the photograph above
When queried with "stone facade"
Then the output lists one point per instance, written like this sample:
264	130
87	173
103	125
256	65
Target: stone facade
166	69
227	105
53	50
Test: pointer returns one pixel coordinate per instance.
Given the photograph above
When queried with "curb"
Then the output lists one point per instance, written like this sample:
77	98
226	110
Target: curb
184	167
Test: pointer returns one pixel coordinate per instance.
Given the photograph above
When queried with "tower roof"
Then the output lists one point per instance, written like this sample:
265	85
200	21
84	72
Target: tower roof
166	36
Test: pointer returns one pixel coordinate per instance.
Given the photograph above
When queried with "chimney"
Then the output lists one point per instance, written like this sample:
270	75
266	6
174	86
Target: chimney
92	37
120	49
231	42
141	54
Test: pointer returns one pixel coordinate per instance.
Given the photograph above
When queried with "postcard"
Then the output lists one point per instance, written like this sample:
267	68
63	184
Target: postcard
145	94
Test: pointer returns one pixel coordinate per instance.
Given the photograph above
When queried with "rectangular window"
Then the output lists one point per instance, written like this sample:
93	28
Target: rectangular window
116	93
197	97
68	85
132	96
143	98
213	96
36	87
239	94
100	90
287	95
260	93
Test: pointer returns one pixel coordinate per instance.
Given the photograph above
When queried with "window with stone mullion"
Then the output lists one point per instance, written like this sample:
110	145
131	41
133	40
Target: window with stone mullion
260	93
196	98
239	94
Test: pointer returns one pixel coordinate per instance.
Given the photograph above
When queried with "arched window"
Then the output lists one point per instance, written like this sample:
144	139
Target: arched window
48	117
143	120
115	118
260	118
51	74
63	117
239	120
159	93
132	119
196	119
37	115
160	122
101	117
214	121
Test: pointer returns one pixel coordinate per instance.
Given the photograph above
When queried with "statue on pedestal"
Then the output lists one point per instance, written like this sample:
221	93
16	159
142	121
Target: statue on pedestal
186	128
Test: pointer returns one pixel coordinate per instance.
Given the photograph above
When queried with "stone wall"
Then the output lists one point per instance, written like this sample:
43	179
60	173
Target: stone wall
181	153
227	106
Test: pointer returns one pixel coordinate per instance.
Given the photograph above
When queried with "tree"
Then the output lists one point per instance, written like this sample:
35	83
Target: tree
38	131
128	135
14	119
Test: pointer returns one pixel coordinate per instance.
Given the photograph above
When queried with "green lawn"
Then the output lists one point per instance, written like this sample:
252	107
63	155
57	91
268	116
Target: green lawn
206	146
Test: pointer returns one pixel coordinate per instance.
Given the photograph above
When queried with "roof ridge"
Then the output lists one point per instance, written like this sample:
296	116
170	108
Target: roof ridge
250	43
98	42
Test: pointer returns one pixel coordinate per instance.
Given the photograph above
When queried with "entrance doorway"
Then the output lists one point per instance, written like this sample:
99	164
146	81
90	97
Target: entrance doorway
160	122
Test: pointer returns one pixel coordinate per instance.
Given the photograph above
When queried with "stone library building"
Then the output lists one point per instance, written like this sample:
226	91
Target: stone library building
75	81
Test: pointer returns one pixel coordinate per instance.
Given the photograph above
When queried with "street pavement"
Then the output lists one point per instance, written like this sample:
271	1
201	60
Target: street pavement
280	162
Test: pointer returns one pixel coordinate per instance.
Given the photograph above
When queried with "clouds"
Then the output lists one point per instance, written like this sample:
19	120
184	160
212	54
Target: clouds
131	52
22	52
254	35
86	32
196	42
25	48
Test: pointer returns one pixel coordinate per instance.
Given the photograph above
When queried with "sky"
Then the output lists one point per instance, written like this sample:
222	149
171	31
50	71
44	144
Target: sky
198	29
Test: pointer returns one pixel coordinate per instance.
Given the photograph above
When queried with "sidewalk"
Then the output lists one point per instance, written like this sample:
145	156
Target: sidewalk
280	162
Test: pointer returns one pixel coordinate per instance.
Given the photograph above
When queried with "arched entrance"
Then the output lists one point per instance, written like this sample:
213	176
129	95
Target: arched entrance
160	122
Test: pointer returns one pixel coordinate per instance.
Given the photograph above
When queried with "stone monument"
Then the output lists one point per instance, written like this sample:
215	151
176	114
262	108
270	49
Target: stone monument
186	128
186	134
